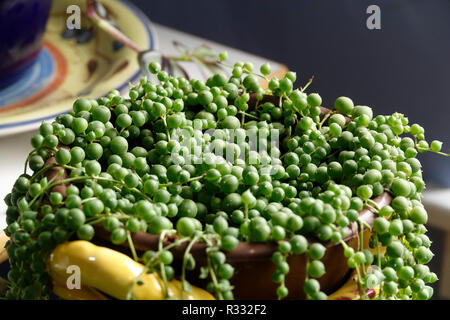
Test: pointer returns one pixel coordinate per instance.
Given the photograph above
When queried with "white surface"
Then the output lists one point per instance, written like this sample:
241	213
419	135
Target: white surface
13	152
20	129
167	35
437	203
15	148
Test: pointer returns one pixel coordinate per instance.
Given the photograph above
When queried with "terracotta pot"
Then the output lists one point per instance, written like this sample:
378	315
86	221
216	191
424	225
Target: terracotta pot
252	261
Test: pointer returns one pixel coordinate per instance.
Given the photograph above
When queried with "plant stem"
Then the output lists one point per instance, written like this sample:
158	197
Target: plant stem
248	115
306	273
167	128
307	85
131	244
213	278
161	265
325	118
183	271
374	204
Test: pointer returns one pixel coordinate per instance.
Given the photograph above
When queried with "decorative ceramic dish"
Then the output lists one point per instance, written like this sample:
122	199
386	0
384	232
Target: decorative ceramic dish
87	62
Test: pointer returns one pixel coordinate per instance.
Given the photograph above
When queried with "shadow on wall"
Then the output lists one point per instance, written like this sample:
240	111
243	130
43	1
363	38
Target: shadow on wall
402	67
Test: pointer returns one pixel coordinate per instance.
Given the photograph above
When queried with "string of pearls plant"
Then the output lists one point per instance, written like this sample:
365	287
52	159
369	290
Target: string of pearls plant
125	165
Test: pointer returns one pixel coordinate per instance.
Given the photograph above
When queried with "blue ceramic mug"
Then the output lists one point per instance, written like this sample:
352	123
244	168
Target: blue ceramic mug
22	26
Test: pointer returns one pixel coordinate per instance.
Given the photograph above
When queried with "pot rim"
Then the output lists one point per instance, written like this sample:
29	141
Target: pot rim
245	251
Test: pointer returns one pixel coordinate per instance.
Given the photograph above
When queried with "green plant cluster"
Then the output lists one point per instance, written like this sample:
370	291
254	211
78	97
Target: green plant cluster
123	165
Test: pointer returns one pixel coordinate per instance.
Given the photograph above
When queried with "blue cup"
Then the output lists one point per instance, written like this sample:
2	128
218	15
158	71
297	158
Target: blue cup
22	26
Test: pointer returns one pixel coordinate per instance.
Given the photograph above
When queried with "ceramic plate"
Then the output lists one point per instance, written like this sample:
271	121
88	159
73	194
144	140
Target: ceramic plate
86	63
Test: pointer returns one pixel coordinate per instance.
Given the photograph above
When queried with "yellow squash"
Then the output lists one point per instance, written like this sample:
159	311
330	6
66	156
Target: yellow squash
111	272
3	239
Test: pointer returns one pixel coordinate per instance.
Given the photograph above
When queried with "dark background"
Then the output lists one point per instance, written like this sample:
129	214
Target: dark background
403	67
